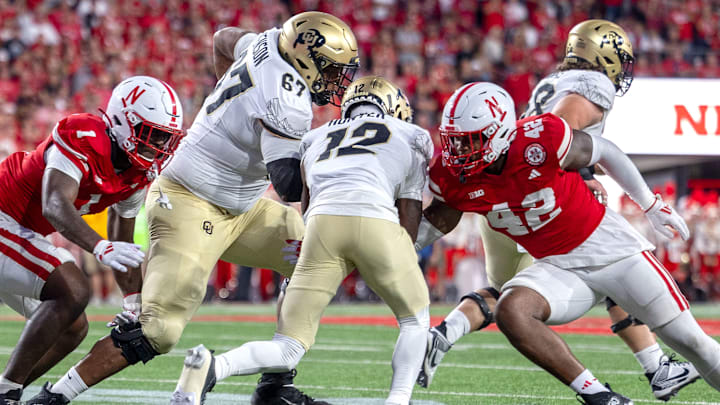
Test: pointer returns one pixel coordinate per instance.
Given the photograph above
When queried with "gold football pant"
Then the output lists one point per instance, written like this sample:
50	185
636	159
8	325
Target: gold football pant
186	242
502	259
334	245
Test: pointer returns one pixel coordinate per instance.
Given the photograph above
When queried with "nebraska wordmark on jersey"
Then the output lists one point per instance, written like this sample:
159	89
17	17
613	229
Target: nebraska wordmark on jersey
359	166
223	157
594	86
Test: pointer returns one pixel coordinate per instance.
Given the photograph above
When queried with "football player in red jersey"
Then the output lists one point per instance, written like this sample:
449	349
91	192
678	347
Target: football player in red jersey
87	164
522	177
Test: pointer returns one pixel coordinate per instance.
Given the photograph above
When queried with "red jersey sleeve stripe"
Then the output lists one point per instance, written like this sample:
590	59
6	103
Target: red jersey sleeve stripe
18	258
435	190
33	250
564	148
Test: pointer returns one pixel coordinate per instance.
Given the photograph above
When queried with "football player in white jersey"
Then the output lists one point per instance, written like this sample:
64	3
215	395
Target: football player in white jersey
207	203
597	65
364	175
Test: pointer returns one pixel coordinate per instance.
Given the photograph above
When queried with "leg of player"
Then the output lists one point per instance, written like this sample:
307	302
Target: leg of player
66	343
521	314
64	297
661	371
474	313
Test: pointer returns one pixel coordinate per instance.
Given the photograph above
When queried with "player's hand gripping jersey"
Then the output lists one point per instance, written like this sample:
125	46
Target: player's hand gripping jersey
342	179
82	139
533	201
594	86
222	160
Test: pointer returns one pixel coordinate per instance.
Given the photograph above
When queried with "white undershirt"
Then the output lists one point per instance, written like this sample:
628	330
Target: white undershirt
54	159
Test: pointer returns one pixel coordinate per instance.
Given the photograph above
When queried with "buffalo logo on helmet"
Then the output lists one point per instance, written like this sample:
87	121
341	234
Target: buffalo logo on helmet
535	154
312	38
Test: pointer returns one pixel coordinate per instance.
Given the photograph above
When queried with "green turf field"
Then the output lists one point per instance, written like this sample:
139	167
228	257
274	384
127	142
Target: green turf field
350	364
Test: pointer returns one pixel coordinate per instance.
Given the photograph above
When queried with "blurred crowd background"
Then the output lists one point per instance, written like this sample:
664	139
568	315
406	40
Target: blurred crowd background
63	56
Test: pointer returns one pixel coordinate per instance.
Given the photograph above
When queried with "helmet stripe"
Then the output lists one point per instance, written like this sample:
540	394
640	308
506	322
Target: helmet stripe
455	103
174	106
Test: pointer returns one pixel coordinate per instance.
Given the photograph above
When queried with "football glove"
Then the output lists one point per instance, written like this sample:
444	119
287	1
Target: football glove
291	251
118	255
133	303
123	318
661	215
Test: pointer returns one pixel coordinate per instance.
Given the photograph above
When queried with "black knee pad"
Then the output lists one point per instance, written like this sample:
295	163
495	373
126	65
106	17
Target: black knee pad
484	307
625	323
133	343
609	303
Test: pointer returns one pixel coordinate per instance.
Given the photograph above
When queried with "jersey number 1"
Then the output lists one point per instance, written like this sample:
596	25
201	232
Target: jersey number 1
380	134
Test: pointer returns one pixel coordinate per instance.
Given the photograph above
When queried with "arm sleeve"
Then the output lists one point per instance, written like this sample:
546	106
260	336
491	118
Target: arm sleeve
56	160
130	207
286	178
621	169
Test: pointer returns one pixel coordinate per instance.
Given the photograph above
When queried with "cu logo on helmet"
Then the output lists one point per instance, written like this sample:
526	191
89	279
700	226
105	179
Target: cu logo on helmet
612	38
312	38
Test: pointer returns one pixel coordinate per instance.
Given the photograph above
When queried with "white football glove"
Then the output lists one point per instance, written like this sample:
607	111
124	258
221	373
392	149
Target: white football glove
118	255
122	319
291	251
661	215
133	303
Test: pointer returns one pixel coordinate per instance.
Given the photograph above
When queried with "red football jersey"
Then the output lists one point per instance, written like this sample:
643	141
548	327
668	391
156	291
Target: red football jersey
533	201
84	140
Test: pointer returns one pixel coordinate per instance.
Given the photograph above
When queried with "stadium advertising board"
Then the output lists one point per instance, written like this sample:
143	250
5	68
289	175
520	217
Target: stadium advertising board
667	117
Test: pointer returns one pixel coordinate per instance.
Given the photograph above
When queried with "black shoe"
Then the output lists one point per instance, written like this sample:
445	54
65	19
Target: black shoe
45	397
278	389
604	398
11	397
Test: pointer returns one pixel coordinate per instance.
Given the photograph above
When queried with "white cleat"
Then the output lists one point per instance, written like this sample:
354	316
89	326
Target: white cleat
197	378
671	376
437	346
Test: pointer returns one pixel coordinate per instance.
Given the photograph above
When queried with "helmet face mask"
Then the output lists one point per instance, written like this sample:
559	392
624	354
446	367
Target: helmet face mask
478	126
145	117
379	92
323	50
606	45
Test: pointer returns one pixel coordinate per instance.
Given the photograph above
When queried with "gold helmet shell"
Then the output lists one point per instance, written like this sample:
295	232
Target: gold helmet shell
323	49
606	45
379	92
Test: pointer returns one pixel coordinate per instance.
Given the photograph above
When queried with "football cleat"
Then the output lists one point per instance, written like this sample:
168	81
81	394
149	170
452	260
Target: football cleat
45	397
671	376
437	347
278	389
197	378
11	397
604	398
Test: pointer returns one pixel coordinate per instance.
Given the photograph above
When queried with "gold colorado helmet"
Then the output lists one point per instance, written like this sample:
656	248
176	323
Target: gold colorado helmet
603	44
323	49
379	92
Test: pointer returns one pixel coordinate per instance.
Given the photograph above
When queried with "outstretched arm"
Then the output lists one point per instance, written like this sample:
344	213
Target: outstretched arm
123	229
587	150
410	212
224	45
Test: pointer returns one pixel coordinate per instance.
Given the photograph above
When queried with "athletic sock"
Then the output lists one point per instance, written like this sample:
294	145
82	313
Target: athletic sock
278	355
7	385
457	325
649	358
586	383
70	385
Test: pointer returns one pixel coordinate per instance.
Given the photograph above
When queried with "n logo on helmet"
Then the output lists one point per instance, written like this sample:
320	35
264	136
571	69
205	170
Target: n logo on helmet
495	108
134	94
312	38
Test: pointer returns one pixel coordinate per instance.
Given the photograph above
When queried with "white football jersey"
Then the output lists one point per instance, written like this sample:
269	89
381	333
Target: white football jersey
359	166
223	157
594	86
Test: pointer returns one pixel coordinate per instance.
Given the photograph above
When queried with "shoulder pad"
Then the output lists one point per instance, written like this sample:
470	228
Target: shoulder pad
594	86
82	136
287	108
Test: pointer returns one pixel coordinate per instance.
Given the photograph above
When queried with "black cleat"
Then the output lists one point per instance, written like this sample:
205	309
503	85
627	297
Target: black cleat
604	398
45	397
278	389
11	397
